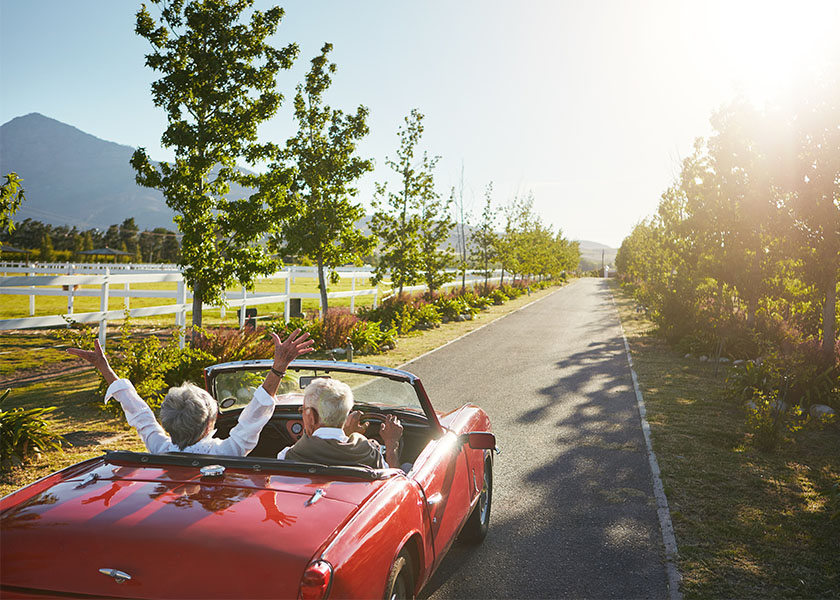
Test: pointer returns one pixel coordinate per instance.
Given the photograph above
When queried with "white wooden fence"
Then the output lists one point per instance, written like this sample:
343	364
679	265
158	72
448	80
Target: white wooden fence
68	279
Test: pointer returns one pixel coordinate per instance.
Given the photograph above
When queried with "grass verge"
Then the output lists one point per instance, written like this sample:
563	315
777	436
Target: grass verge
749	524
88	430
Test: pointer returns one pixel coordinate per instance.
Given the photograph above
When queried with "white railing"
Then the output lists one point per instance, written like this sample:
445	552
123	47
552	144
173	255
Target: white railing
41	280
67	280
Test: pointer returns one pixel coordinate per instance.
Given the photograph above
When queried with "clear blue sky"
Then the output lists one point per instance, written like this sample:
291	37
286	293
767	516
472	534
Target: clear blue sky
588	104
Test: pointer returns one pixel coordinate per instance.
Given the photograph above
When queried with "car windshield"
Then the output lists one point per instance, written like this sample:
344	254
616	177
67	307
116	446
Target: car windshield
234	389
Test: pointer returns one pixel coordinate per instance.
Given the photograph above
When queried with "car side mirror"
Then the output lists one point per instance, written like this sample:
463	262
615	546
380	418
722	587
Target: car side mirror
479	440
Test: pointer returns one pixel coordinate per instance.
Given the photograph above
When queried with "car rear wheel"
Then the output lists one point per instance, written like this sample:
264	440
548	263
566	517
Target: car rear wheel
400	579
478	523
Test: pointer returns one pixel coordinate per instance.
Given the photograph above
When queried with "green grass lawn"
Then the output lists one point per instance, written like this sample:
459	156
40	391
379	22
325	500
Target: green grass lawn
749	524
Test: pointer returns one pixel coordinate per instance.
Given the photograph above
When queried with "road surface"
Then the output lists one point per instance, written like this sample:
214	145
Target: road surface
573	512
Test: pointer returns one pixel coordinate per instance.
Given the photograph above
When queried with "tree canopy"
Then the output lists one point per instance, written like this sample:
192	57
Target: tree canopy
218	83
313	179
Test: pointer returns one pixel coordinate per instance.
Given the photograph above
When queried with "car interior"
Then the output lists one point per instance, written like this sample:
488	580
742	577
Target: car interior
286	425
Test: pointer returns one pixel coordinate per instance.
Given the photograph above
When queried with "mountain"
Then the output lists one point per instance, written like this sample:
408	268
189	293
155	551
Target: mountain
73	178
592	254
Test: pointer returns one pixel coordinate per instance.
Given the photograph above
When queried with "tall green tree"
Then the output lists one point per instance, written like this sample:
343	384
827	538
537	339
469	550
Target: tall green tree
484	241
809	160
436	254
218	84
318	167
47	253
397	217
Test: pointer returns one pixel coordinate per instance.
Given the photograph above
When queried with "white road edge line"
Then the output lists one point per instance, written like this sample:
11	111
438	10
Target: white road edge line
460	337
669	540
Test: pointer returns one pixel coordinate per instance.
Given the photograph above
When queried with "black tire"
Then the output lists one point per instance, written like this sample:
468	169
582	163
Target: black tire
478	523
400	584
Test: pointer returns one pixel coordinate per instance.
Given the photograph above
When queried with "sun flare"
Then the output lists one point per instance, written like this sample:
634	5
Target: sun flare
770	46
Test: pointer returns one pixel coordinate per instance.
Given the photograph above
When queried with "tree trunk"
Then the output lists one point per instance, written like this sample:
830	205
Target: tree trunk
752	306
828	318
197	302
322	284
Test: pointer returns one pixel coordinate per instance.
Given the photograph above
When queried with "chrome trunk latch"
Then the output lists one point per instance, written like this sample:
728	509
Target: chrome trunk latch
88	479
319	493
119	576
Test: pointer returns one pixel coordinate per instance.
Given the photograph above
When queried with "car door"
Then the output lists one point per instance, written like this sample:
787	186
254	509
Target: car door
441	470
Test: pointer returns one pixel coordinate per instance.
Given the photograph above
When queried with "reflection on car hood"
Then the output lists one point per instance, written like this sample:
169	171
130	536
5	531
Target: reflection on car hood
176	533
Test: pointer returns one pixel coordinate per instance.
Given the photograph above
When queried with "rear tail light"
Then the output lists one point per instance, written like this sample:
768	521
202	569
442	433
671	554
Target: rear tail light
316	581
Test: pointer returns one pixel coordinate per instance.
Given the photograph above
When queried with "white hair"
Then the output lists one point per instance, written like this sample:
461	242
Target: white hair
331	398
186	414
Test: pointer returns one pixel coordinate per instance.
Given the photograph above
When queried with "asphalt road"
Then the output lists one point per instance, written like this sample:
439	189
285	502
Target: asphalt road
573	512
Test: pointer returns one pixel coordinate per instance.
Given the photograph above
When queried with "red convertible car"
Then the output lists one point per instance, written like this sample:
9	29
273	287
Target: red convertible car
177	525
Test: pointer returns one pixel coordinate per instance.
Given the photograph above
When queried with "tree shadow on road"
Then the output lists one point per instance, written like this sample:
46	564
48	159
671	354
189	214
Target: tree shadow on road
583	523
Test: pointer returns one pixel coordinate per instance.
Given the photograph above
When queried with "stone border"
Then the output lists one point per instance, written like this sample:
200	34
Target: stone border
669	540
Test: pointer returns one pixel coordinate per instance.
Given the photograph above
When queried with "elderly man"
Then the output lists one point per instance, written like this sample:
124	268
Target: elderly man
334	434
188	413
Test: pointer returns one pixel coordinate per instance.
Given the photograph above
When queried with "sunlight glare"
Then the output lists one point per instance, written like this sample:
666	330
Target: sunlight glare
770	45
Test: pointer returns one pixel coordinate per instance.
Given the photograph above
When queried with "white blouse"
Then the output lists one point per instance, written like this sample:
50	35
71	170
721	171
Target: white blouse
243	437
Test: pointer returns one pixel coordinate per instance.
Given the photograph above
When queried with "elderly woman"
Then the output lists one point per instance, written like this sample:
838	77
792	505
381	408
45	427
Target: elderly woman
188	413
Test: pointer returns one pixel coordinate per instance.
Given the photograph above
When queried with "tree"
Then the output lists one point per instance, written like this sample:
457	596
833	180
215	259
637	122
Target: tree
397	218
435	252
129	235
112	237
11	197
217	85
319	215
47	253
88	245
462	218
811	176
484	241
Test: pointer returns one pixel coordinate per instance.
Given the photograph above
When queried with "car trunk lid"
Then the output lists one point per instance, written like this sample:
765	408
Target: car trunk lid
175	532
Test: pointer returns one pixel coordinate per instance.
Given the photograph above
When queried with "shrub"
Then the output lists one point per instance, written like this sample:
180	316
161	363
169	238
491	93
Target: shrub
397	311
475	301
312	326
227	344
449	308
753	379
368	337
498	296
512	291
769	419
426	316
335	328
24	433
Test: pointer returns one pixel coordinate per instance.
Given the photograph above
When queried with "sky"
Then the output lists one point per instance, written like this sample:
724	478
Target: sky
588	105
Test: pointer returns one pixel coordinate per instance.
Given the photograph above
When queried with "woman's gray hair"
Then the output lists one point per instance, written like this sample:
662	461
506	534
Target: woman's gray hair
332	399
186	414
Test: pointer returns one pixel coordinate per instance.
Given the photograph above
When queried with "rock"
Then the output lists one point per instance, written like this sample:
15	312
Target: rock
723	359
822	411
779	406
689	355
738	363
704	358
